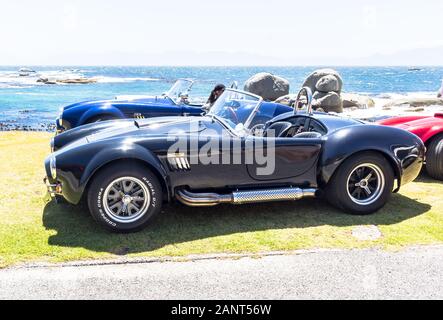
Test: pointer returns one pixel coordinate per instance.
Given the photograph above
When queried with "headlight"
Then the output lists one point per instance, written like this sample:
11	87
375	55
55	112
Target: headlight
53	167
52	145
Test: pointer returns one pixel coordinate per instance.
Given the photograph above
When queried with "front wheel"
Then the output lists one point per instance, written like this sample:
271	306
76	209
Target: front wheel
362	184
124	197
434	158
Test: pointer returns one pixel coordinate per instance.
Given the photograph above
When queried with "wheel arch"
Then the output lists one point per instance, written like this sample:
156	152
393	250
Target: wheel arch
143	157
99	112
327	176
437	135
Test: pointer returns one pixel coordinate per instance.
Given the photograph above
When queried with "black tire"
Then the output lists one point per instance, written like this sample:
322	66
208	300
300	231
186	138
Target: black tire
108	183
342	190
434	158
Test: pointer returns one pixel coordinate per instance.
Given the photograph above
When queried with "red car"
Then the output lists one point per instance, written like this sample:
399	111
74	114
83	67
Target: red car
430	131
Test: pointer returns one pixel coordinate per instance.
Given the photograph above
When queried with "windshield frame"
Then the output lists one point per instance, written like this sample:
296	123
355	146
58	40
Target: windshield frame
251	115
188	90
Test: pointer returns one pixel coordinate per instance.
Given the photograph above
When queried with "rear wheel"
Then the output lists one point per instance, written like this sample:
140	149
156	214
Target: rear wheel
434	158
362	184
123	198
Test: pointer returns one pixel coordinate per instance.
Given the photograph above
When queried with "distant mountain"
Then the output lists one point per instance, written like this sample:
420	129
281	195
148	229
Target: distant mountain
413	57
187	57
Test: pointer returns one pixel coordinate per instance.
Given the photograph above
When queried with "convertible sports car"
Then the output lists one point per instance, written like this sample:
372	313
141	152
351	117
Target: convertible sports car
172	103
258	152
430	131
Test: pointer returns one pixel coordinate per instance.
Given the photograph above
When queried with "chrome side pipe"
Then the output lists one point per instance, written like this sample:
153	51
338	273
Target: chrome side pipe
241	197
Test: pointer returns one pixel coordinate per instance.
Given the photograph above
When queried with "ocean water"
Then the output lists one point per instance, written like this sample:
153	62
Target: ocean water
25	103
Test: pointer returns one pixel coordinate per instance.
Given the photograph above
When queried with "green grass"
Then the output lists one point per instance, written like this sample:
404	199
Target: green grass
33	229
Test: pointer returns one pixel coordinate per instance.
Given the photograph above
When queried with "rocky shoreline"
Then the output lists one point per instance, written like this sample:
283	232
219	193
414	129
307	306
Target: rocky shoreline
14	126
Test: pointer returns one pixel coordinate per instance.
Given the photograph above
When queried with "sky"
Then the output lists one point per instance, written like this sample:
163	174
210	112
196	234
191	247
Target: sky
228	32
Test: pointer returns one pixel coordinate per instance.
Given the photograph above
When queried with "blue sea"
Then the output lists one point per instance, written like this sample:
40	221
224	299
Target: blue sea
27	104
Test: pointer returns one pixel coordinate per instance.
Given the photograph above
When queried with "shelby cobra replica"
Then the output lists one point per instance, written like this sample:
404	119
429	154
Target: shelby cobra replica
126	169
172	103
430	131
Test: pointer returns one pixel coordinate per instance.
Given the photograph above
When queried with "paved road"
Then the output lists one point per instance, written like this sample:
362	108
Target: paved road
355	274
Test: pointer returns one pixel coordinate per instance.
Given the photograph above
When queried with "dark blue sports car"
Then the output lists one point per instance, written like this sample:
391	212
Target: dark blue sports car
172	103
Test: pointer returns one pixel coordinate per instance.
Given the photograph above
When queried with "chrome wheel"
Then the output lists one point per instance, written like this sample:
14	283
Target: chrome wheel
365	184
126	199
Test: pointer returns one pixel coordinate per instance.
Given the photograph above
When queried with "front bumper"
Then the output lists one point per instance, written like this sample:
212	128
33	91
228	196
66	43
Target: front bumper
62	125
54	189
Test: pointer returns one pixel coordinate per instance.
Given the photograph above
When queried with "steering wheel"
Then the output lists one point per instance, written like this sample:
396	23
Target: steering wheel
287	132
258	130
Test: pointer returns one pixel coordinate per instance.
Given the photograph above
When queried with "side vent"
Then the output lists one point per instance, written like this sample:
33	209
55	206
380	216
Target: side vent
178	162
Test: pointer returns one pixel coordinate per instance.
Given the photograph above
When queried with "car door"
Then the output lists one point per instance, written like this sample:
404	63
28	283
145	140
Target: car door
292	159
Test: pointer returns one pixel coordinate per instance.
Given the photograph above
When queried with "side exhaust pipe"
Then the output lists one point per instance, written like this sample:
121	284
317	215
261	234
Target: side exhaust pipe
241	197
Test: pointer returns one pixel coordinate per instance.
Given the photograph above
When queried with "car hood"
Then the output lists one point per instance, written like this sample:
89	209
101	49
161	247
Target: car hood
120	100
162	126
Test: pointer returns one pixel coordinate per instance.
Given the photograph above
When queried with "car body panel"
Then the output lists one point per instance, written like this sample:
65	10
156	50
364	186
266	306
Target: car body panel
122	107
82	113
426	127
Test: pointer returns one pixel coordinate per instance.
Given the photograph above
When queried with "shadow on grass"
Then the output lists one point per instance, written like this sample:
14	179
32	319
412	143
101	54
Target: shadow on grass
177	224
424	177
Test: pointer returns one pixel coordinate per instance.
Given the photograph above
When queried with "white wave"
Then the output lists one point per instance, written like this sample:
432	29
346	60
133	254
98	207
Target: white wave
102	79
35	93
393	95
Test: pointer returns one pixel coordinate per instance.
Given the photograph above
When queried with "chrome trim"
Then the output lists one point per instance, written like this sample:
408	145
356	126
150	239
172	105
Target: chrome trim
53	188
308	93
202	199
178	161
241	197
126	200
53	167
364	184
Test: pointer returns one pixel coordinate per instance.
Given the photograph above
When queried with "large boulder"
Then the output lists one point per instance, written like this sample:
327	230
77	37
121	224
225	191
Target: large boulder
328	83
328	102
267	85
326	86
313	79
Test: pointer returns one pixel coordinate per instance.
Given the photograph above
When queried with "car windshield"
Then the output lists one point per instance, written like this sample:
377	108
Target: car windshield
180	87
236	109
